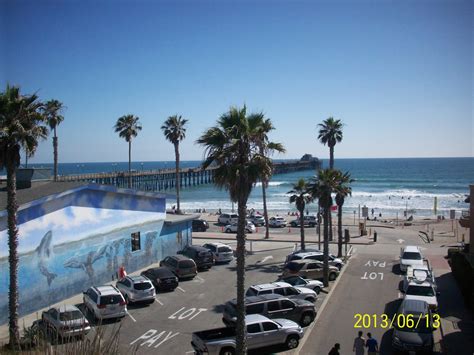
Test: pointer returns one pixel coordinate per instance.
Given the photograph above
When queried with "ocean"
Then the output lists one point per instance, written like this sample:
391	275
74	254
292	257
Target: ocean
389	186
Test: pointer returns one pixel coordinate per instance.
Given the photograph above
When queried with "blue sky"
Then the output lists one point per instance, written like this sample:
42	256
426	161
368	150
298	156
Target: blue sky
398	73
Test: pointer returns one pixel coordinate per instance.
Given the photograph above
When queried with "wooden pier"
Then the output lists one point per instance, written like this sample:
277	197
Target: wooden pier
165	179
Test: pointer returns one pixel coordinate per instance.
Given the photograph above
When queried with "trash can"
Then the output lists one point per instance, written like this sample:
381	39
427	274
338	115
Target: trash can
375	236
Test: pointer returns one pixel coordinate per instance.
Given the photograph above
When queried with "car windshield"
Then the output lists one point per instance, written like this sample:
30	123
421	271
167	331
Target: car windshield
186	264
110	299
224	250
294	266
420	291
411	256
251	292
420	325
70	315
142	286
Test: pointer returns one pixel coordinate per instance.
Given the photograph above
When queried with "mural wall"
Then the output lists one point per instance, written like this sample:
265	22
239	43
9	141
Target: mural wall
64	252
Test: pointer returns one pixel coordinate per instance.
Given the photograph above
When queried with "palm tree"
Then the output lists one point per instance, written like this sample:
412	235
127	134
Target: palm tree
266	148
22	125
52	111
300	197
342	191
231	147
175	132
128	127
322	186
330	133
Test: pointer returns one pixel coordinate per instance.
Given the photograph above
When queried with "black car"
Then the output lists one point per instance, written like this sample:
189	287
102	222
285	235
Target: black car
162	278
202	256
200	225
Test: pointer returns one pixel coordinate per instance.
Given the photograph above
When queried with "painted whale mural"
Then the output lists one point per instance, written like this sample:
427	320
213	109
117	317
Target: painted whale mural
43	252
86	263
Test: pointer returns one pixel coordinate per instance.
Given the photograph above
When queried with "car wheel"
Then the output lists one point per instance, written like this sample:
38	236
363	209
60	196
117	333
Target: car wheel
228	230
317	289
310	299
332	276
292	342
306	319
227	351
339	266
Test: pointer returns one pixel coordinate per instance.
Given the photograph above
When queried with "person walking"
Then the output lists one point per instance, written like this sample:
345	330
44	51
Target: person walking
359	344
335	349
372	345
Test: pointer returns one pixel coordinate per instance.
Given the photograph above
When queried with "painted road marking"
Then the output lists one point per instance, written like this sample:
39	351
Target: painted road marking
179	288
190	352
400	241
150	337
189	314
157	300
269	257
372	276
200	278
131	317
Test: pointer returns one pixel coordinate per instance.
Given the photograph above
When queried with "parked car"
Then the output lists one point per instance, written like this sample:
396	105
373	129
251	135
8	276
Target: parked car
261	332
162	278
277	222
201	256
284	289
232	228
200	225
414	338
272	306
227	218
181	266
423	291
105	302
314	285
420	274
410	256
257	220
310	221
66	321
298	251
309	269
222	253
316	255
136	289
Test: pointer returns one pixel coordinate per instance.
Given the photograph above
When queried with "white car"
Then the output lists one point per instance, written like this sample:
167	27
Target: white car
316	255
227	218
277	222
314	285
422	291
66	321
410	256
222	253
257	219
420	274
284	289
232	228
105	302
136	289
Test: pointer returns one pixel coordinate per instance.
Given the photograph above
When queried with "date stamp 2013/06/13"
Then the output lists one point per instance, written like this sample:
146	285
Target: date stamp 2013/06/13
398	320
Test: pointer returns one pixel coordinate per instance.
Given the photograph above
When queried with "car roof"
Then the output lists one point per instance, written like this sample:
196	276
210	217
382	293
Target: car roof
107	290
217	244
307	250
197	247
138	278
66	308
180	257
413	282
305	261
271	285
161	271
308	253
413	306
411	248
260	298
255	318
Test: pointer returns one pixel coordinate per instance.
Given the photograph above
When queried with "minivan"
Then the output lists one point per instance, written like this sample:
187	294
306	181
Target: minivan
201	256
181	266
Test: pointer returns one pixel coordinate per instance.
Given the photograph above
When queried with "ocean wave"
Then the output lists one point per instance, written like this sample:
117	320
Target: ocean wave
274	183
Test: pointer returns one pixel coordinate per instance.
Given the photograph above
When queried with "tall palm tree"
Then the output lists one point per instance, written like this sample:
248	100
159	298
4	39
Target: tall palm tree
22	125
330	133
128	127
52	111
231	147
300	198
342	191
266	148
175	131
322	186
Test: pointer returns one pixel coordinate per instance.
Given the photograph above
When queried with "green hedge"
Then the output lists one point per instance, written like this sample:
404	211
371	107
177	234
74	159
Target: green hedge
463	272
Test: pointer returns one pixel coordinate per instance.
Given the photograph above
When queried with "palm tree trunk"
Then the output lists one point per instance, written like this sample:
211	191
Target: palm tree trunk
265	211
176	154
339	230
12	209
55	152
326	246
303	247
241	342
330	225
331	157
130	164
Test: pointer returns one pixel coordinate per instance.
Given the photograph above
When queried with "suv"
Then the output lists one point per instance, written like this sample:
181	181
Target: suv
284	289
200	225
314	285
136	289
162	278
272	306
310	221
222	253
232	228
226	218
309	269
257	219
423	291
277	221
66	321
201	256
316	255
181	266
105	302
410	256
419	337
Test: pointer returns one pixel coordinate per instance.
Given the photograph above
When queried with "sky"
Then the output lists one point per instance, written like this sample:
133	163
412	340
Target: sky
399	74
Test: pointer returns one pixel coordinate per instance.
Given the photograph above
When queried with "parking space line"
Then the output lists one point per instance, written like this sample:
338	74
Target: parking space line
179	288
200	278
190	352
157	300
131	317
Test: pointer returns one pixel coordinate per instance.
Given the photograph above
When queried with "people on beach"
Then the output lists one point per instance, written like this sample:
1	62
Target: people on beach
359	344
372	345
335	349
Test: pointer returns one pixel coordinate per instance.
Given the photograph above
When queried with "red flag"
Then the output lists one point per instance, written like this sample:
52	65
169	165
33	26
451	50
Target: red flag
334	208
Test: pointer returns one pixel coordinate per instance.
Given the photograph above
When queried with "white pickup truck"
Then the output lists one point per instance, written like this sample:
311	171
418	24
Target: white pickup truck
261	332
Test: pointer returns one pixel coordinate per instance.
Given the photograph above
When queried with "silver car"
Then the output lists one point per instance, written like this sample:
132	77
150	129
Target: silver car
66	321
222	253
136	289
232	228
